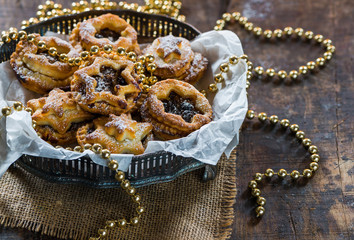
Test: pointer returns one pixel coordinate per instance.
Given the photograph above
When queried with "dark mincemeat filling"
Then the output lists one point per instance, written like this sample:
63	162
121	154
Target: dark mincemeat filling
108	78
50	58
180	106
108	33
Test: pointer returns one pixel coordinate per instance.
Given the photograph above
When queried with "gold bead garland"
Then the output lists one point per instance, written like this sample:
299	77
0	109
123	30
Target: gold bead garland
111	163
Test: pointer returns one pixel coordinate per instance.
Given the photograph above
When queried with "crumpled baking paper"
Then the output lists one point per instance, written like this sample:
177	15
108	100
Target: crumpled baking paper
207	144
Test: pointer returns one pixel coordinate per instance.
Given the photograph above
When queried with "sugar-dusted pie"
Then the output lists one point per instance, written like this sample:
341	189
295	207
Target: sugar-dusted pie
175	109
39	71
118	134
107	86
105	29
58	116
174	58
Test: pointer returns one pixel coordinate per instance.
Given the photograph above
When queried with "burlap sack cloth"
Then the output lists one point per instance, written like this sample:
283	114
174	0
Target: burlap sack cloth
185	208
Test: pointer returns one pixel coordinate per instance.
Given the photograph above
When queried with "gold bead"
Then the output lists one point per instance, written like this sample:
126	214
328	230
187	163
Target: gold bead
273	119
217	28
150	58
218	78
299	31
136	198
153	80
293	74
69	148
294	128
77	61
300	135
125	184
282	173
320	61
226	17
244	57
236	15
22	35
146	88
248	84
260	211
220	22
140	209
87	146
309	35
96	148
94	50
107	48
256	192
315	157
250	114
224	67
327	56
262	117
151	67
138	66
18	106
282	74
122	222
134	220
285	123
141	59
303	70
52	51
63	57
77	149
314	166
13	35
278	33
318	38
307	173
311	65
288	31
242	20
31	37
71	61
84	55
131	190
259	70
110	224
257	31
121	51
252	184
306	142
313	149
212	87
203	92
295	174
268	33
327	42
331	48
261	201
249	26
42	7
41	45
6	111
249	77
249	66
29	110
269	172
5	38
113	164
270	72
120	176
258	177
34	124
132	56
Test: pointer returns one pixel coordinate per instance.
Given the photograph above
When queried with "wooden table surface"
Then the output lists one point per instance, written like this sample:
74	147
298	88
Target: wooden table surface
322	105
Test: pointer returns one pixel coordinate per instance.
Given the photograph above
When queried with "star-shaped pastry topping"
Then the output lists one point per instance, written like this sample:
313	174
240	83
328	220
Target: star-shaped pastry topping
121	127
59	110
169	48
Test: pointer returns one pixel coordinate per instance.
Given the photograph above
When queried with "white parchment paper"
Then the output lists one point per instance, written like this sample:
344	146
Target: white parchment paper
207	144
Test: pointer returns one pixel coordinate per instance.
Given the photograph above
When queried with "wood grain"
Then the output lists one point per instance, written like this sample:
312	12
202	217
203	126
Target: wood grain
322	105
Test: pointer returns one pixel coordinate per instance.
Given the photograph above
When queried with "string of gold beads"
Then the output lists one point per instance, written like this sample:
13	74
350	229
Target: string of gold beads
288	32
282	173
111	163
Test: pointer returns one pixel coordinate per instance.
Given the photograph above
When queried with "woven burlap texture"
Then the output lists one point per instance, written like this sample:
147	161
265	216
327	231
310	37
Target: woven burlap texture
185	208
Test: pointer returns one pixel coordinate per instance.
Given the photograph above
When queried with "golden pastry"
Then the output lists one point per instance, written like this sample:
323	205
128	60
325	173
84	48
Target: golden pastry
107	86
105	29
58	116
174	58
39	71
175	109
118	134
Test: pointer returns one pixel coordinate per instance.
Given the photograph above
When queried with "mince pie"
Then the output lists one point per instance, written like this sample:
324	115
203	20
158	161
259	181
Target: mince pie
107	86
39	71
175	109
58	116
118	134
